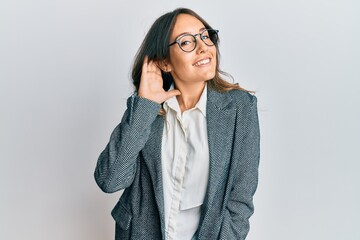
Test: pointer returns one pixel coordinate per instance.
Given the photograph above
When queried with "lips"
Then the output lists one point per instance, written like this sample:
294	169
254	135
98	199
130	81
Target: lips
201	62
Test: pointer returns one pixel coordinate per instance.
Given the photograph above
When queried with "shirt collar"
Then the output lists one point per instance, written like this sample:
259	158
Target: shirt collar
173	103
201	104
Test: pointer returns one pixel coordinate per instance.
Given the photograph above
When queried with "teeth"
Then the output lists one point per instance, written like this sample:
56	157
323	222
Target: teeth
202	62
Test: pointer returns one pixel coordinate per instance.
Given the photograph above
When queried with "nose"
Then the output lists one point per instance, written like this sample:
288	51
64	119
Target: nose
201	46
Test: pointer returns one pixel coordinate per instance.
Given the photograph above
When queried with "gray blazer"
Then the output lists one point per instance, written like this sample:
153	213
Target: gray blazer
132	161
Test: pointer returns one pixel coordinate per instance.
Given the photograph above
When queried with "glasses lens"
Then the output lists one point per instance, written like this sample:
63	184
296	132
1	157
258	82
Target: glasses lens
187	43
209	37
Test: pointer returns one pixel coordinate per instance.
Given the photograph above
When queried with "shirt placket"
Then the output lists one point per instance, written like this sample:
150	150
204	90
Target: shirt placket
178	173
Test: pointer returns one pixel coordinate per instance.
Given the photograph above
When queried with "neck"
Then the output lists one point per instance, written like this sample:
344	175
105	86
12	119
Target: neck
190	94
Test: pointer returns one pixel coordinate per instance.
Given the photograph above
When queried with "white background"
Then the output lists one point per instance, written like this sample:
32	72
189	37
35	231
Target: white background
64	79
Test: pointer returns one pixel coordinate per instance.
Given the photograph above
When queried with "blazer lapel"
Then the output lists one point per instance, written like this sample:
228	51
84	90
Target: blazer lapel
220	125
152	158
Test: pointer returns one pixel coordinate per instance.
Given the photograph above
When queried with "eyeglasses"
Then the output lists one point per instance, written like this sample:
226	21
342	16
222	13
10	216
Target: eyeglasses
188	42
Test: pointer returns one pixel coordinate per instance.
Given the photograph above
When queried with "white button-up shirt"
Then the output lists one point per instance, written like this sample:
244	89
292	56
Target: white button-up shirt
185	166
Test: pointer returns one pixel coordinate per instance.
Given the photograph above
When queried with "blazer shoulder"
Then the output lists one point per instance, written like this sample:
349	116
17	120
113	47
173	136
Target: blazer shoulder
242	97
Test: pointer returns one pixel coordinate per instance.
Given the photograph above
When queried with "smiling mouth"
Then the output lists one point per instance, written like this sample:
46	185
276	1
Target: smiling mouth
202	62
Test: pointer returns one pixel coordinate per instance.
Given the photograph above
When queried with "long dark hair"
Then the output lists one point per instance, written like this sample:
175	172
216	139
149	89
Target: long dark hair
155	46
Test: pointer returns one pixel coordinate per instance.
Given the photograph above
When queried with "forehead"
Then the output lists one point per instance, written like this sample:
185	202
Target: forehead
186	23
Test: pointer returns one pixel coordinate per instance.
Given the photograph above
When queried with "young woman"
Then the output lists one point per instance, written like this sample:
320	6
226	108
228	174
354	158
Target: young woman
187	148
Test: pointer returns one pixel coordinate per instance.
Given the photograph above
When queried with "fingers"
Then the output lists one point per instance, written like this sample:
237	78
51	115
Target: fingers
150	66
145	64
151	83
153	67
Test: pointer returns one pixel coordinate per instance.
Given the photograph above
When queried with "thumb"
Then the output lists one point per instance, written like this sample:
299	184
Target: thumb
172	93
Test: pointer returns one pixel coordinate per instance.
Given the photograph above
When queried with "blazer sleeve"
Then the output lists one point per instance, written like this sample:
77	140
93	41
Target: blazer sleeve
240	205
116	165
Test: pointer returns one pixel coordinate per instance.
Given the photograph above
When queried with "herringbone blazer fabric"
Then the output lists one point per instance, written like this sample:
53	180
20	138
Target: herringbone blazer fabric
132	161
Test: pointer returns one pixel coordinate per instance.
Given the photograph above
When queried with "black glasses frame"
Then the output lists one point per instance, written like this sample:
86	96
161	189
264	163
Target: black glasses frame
196	41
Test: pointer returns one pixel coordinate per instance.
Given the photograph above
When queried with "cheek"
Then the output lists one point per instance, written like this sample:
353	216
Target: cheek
182	64
177	59
214	54
215	62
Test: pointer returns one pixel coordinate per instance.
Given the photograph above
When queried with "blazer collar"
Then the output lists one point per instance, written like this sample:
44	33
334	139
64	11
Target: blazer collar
219	99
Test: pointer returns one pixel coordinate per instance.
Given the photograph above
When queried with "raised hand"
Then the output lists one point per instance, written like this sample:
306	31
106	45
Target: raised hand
151	83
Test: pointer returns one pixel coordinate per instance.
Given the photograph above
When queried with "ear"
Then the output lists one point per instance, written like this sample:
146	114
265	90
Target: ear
164	65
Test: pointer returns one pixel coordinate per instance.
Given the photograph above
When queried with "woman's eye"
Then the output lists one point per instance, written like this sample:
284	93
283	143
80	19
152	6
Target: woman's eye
205	37
184	43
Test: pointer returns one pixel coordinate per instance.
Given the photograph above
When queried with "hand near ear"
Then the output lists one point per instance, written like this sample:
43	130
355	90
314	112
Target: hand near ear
151	83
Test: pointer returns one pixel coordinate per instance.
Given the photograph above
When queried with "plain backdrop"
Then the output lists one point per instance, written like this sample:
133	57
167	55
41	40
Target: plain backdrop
64	80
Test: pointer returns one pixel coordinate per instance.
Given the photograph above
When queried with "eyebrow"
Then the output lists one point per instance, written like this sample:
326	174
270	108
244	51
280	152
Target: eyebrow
201	29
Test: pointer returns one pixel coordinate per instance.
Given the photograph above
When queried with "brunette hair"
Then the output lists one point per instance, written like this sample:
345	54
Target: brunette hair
156	47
